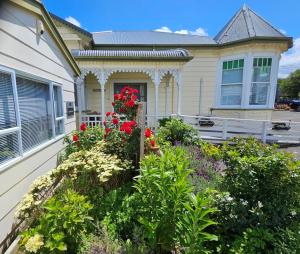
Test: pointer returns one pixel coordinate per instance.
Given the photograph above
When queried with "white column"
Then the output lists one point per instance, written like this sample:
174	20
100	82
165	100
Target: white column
167	97
179	93
156	85
102	101
273	80
79	83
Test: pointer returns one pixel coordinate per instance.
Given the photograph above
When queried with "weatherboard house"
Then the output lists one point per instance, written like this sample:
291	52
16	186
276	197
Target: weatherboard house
233	74
48	66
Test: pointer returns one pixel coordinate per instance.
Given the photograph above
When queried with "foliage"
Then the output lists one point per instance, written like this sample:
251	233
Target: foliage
60	227
162	122
176	131
262	189
290	86
164	196
84	139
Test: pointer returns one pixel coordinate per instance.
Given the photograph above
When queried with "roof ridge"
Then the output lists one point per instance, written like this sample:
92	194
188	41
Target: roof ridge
248	20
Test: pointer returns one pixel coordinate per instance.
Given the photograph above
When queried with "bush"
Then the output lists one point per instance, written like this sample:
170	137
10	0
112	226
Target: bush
176	131
170	215
60	227
262	190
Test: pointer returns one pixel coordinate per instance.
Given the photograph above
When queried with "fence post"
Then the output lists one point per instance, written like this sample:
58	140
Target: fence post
264	132
141	123
225	126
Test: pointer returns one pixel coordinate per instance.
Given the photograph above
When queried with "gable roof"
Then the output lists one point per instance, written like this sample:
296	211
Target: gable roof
245	25
149	38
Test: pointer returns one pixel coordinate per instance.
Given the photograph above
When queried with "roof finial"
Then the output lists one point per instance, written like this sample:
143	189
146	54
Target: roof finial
245	6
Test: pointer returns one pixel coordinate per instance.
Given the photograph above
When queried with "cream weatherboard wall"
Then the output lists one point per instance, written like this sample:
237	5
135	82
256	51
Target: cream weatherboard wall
25	51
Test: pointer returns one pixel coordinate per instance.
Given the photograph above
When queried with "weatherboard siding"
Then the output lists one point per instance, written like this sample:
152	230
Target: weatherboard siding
24	51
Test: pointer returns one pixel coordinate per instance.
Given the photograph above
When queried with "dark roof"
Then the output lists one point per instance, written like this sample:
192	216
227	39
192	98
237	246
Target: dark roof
121	53
246	24
79	29
149	38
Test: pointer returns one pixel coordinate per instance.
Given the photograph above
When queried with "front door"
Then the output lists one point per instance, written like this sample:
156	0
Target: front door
141	87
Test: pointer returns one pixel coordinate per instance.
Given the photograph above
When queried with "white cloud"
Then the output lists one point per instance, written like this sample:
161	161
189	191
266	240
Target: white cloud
199	31
290	61
73	21
164	29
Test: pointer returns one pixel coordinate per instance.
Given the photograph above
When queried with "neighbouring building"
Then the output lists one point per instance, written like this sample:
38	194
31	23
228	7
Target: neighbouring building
37	74
233	74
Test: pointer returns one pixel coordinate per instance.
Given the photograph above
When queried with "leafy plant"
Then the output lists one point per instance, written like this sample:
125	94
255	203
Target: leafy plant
60	227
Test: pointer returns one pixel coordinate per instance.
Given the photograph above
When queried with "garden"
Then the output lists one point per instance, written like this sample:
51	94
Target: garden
184	196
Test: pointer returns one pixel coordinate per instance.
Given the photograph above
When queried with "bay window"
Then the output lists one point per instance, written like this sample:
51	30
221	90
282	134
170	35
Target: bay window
260	85
232	82
31	113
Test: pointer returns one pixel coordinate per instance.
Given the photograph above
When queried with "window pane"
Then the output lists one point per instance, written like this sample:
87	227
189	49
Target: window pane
8	147
232	76
231	94
7	105
259	94
59	112
261	74
34	103
59	127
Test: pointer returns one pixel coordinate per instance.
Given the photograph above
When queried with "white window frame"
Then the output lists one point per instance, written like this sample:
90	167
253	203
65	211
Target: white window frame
247	80
18	128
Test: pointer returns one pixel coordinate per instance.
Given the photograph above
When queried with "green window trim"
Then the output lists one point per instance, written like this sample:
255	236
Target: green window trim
233	64
262	62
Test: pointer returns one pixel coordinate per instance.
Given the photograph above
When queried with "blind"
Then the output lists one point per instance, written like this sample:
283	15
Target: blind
7	105
9	147
35	113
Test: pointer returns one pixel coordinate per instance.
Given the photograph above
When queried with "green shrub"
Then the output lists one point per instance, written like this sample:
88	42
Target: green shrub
176	131
169	213
162	122
60	227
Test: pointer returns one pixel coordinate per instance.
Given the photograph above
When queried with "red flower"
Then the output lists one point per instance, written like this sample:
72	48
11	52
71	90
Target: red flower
107	114
126	127
132	123
104	123
148	133
115	121
128	130
75	138
135	91
113	104
133	97
113	114
107	130
152	142
117	96
130	104
83	127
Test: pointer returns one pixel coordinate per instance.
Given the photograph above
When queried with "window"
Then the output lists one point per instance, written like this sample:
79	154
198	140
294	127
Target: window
232	82
31	113
260	85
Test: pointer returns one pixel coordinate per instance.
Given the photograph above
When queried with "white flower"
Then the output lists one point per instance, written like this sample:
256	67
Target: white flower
293	213
259	204
34	243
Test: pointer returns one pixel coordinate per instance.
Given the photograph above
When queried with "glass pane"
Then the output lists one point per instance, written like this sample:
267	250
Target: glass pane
261	74
224	65
241	63
58	105
8	147
35	112
231	94
232	76
259	94
59	127
7	104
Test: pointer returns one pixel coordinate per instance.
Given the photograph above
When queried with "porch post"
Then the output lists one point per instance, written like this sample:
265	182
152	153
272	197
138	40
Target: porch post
156	84
102	101
79	83
179	93
167	97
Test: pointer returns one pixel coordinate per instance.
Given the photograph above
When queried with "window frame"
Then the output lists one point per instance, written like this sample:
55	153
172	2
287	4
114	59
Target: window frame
247	80
22	155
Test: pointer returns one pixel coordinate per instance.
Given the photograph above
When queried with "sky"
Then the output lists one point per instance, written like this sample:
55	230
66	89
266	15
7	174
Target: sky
200	17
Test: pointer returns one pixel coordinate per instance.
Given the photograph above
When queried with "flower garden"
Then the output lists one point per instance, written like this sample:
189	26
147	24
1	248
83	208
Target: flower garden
190	197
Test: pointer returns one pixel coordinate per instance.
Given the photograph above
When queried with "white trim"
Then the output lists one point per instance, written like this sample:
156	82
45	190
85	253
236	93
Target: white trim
51	90
9	130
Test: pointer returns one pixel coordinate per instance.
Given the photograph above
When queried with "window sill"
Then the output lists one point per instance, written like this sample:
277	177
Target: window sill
242	109
26	155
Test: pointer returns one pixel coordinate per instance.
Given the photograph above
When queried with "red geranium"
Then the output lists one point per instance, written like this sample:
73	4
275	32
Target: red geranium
107	114
113	104
152	142
132	123
133	97
115	121
135	91
148	133
116	96
75	138
83	127
130	103
126	127
107	130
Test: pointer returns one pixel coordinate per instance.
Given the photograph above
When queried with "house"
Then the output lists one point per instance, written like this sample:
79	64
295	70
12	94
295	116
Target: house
233	74
37	74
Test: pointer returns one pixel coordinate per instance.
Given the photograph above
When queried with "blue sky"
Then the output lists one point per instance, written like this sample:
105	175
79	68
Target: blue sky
184	16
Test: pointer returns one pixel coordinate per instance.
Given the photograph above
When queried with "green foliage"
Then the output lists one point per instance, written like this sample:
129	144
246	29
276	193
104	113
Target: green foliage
290	86
87	139
64	220
176	131
162	122
166	208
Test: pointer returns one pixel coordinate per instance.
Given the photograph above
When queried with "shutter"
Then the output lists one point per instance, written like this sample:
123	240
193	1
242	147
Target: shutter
9	147
35	112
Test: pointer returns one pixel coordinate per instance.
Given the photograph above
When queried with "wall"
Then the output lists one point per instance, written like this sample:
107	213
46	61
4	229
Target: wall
22	49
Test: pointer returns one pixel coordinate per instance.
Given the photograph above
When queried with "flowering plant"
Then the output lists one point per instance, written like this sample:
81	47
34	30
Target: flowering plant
150	142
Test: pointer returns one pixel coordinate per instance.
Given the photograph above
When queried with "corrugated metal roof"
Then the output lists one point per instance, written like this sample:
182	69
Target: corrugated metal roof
246	24
149	38
169	53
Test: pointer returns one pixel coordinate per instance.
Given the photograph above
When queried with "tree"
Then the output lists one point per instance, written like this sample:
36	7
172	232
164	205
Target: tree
290	86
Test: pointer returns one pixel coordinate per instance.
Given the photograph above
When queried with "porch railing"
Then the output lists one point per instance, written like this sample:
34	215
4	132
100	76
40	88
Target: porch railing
218	129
